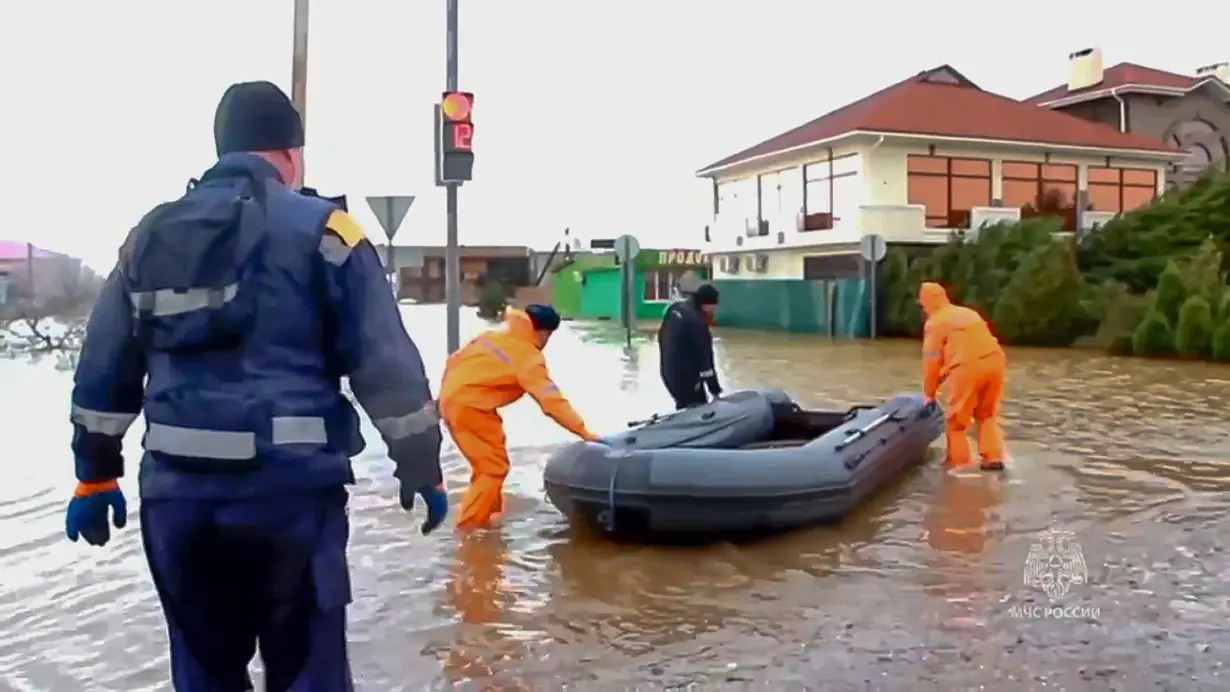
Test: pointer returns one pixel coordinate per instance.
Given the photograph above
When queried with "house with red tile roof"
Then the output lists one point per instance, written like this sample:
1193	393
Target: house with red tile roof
1191	112
911	163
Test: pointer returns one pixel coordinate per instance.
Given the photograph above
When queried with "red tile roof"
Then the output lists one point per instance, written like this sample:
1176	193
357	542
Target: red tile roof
1122	75
942	102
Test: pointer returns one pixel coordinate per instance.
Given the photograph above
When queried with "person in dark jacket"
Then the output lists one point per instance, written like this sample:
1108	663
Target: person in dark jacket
229	321
685	346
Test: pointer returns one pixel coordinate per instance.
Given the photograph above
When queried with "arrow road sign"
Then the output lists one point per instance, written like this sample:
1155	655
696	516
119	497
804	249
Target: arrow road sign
390	211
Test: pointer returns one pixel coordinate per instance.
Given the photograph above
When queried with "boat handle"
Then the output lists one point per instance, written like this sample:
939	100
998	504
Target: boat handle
928	410
859	433
854	411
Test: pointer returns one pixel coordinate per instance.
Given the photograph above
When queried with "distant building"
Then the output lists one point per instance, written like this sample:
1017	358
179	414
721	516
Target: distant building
27	271
589	287
420	269
911	163
1190	112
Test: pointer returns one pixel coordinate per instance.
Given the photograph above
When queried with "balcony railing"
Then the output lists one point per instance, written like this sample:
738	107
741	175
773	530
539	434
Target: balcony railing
1091	220
896	223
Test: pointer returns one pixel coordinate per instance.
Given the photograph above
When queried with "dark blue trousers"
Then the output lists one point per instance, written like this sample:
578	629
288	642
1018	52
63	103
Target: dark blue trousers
270	570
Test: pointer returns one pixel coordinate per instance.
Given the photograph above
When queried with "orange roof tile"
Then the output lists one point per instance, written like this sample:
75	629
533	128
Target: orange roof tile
942	102
1123	74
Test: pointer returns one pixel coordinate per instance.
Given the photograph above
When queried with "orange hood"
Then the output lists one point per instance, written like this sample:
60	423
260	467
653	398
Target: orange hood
519	326
932	297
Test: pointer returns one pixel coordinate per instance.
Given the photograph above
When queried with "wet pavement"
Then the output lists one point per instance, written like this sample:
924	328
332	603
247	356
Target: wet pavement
1124	464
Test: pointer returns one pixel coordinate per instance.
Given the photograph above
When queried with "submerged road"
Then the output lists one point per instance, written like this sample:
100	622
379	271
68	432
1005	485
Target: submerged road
1127	461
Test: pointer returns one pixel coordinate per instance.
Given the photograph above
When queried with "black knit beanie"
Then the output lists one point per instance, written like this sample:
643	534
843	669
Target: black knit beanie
256	116
707	294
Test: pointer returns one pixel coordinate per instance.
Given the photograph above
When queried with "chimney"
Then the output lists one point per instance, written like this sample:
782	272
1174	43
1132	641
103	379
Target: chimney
1084	68
1219	70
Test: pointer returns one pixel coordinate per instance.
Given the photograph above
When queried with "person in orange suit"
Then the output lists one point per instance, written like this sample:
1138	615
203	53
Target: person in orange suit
490	372
960	350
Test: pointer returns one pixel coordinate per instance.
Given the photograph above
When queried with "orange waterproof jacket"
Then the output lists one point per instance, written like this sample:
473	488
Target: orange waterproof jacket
500	366
952	335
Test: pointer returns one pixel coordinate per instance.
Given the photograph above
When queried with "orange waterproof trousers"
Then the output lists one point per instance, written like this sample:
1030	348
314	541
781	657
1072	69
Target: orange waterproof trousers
480	437
975	392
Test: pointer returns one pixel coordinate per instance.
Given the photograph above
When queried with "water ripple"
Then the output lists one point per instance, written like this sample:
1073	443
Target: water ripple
920	589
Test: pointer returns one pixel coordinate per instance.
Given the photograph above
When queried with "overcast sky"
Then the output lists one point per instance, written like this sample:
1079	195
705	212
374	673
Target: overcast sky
588	114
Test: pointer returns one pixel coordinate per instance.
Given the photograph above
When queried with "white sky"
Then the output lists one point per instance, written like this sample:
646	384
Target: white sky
108	106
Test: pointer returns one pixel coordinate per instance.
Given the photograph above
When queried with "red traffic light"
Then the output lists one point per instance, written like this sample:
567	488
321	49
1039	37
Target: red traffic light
456	106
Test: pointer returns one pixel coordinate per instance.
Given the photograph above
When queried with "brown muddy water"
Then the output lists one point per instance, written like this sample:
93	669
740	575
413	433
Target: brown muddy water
924	589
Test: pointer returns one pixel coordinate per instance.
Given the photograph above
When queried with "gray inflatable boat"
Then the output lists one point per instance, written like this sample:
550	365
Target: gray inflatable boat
746	462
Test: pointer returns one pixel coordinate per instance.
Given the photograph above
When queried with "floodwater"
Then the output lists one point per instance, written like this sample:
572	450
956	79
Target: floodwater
922	590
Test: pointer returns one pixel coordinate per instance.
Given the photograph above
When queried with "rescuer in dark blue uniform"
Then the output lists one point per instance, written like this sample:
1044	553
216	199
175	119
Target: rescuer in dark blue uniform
244	304
685	349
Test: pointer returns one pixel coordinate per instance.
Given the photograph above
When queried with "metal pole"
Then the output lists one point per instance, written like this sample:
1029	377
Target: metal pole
874	291
388	253
30	271
452	254
832	308
298	74
625	289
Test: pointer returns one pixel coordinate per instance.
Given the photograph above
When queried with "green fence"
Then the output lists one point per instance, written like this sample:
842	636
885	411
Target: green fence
840	307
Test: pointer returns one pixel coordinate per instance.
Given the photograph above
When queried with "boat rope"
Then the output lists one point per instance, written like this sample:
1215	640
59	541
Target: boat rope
610	499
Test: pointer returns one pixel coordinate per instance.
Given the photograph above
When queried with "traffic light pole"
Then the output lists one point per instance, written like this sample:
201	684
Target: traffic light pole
299	60
452	252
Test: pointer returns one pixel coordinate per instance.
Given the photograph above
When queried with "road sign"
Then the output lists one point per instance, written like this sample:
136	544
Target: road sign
872	247
454	138
390	211
626	248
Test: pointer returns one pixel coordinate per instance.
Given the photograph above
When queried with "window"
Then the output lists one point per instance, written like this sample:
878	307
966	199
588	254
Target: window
790	185
818	171
948	188
1120	189
770	195
739	199
832	189
662	285
1041	189
725	199
846	198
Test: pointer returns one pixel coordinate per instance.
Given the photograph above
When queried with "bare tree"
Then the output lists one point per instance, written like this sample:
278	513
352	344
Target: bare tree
50	316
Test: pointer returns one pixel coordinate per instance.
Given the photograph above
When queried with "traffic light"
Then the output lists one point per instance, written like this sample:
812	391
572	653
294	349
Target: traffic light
454	138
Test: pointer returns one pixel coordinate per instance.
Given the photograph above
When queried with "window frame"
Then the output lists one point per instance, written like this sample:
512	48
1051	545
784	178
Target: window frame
654	277
821	172
948	174
1040	179
1120	184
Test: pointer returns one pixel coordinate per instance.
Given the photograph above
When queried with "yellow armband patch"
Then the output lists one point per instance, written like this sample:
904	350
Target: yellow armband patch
345	227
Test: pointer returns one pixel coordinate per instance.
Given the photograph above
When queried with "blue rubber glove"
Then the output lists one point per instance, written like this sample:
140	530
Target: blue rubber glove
88	512
437	504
